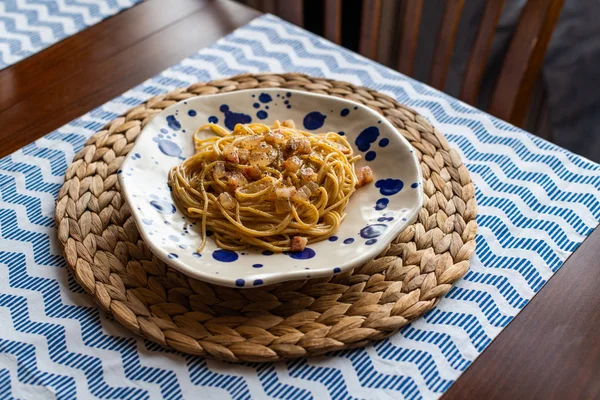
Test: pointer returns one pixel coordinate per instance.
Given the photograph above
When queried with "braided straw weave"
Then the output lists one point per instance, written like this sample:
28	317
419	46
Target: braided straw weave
109	259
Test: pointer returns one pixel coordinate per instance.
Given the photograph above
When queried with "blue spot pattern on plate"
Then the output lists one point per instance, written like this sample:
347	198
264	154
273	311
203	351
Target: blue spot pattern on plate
372	231
370	156
384	142
414	185
337	270
371	241
163	207
314	120
240	282
303	255
233	118
333	238
258	282
192	113
264	98
349	241
225	255
174	238
344	112
147	221
173	123
389	187
213	120
256	105
267	253
366	137
169	148
257	265
196	254
381	204
172	255
262	114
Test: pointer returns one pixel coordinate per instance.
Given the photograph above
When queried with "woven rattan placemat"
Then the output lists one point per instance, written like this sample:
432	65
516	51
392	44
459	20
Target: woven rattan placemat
108	258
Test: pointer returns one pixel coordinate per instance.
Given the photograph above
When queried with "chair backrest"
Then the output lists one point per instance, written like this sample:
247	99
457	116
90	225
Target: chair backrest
522	63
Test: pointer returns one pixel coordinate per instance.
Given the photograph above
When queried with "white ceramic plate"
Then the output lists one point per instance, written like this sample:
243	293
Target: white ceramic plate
377	213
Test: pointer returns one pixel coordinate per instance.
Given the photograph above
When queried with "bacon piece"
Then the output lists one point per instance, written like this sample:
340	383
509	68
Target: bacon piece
231	154
243	156
274	138
226	201
261	158
305	192
235	180
219	170
285	192
252	172
308	174
292	164
298	243
364	175
249	142
297	145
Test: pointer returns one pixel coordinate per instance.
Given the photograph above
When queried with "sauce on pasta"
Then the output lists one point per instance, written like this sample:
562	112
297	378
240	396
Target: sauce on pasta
272	187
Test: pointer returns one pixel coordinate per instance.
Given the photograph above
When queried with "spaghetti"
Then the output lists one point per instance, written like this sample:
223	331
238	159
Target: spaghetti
276	188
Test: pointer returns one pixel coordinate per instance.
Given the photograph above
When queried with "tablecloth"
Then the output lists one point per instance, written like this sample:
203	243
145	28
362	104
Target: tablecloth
537	203
29	26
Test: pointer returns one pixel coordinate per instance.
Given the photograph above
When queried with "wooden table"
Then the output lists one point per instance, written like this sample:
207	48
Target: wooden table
550	350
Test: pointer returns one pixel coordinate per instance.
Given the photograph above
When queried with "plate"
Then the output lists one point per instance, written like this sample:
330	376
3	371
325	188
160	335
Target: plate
376	213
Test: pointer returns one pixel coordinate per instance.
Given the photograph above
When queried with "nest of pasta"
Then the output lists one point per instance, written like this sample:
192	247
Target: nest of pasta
273	187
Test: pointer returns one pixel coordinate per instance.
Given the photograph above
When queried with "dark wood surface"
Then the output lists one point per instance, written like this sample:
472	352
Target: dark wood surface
550	350
45	91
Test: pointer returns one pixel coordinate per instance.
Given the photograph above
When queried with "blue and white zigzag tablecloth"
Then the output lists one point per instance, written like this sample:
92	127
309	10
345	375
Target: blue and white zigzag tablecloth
29	26
537	203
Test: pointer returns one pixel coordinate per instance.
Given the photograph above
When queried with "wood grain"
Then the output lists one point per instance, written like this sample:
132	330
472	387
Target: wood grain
292	11
95	44
369	28
552	348
523	62
409	36
43	98
445	43
333	20
480	51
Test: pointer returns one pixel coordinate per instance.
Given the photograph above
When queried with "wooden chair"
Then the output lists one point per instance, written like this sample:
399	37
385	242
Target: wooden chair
521	66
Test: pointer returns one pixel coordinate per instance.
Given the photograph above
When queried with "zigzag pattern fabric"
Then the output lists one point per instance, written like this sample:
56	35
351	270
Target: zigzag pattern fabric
29	26
537	203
